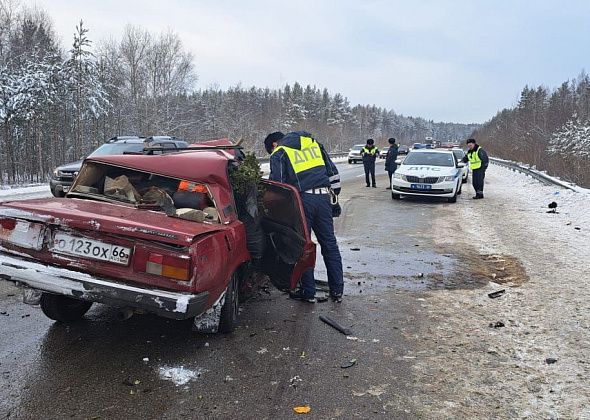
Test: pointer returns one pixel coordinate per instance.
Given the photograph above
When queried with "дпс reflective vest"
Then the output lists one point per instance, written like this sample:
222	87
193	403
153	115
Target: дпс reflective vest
371	152
309	157
474	159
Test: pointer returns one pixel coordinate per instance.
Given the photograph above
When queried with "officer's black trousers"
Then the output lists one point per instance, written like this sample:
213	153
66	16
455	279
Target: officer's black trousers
478	176
369	169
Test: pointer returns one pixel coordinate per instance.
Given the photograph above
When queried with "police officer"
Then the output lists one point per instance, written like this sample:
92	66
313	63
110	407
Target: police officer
369	154
297	159
390	165
478	162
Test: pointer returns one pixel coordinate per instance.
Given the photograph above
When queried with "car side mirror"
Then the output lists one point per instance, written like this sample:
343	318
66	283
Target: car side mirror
398	162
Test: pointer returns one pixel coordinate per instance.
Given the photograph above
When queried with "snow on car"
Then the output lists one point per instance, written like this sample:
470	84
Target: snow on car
155	233
428	172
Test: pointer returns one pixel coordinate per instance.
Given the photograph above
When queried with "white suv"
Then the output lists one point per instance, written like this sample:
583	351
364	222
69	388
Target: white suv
354	154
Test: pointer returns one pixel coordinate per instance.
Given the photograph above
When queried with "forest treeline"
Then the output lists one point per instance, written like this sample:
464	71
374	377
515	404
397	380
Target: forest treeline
548	128
57	104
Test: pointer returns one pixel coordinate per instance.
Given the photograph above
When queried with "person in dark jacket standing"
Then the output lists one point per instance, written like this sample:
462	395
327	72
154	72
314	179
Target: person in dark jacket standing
297	159
369	154
390	165
478	162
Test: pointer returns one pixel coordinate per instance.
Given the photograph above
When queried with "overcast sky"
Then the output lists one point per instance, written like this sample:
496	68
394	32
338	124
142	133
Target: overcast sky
459	61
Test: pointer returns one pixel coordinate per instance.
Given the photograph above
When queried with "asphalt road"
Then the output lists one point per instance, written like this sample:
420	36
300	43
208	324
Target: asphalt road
281	356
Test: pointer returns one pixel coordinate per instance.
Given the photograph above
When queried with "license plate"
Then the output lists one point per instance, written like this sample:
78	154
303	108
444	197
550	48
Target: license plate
420	186
90	248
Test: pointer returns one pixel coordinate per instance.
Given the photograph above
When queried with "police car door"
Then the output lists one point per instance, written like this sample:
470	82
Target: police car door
289	251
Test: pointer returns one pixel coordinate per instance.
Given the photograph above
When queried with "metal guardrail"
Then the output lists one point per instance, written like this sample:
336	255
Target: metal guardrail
533	173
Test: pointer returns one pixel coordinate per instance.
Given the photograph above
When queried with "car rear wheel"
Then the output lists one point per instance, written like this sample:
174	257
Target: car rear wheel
395	196
231	306
350	161
63	308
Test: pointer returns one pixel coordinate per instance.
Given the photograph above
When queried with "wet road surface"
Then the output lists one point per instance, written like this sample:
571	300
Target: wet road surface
281	355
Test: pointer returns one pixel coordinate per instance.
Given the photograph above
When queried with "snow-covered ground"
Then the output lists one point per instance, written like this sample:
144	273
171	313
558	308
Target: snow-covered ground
537	363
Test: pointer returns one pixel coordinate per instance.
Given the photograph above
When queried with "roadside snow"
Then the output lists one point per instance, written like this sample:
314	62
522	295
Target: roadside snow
6	190
509	371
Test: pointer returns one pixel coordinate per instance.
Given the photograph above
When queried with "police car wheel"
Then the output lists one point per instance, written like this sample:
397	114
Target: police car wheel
395	196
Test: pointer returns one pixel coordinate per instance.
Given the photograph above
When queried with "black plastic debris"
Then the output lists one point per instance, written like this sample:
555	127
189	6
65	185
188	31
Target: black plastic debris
348	364
553	207
335	325
496	294
497	324
550	360
355	249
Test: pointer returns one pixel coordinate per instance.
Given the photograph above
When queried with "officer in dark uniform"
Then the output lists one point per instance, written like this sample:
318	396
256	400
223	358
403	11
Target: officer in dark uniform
369	154
478	163
297	159
390	165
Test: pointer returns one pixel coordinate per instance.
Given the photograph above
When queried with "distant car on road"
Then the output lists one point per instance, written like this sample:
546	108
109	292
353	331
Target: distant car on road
428	172
383	152
416	146
354	154
403	149
63	176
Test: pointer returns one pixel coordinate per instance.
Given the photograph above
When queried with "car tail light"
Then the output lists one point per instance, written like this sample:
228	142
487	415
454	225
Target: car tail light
177	268
21	232
6	225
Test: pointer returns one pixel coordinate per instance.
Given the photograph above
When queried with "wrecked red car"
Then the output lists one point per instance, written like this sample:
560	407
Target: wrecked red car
156	233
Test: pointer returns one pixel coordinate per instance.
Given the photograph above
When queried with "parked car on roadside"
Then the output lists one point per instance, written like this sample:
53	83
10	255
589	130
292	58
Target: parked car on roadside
63	176
354	153
383	152
428	172
155	233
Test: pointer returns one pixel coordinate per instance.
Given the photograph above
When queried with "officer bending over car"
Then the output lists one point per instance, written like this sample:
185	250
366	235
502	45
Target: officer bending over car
297	159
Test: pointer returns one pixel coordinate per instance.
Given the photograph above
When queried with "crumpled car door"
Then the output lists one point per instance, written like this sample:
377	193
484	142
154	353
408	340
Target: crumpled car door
290	250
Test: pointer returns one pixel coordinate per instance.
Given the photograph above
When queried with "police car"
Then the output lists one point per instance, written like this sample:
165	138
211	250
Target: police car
428	172
460	154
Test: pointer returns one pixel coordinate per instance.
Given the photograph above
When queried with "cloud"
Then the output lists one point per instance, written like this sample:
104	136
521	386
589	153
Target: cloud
446	60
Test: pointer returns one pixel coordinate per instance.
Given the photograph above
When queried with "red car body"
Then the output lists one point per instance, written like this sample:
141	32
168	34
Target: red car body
93	248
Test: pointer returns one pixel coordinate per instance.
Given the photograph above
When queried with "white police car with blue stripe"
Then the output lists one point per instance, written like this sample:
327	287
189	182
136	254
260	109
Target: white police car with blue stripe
428	172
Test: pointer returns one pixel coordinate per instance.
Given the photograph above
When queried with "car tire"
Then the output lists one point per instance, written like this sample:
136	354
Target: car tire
57	193
395	196
350	161
231	306
63	308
